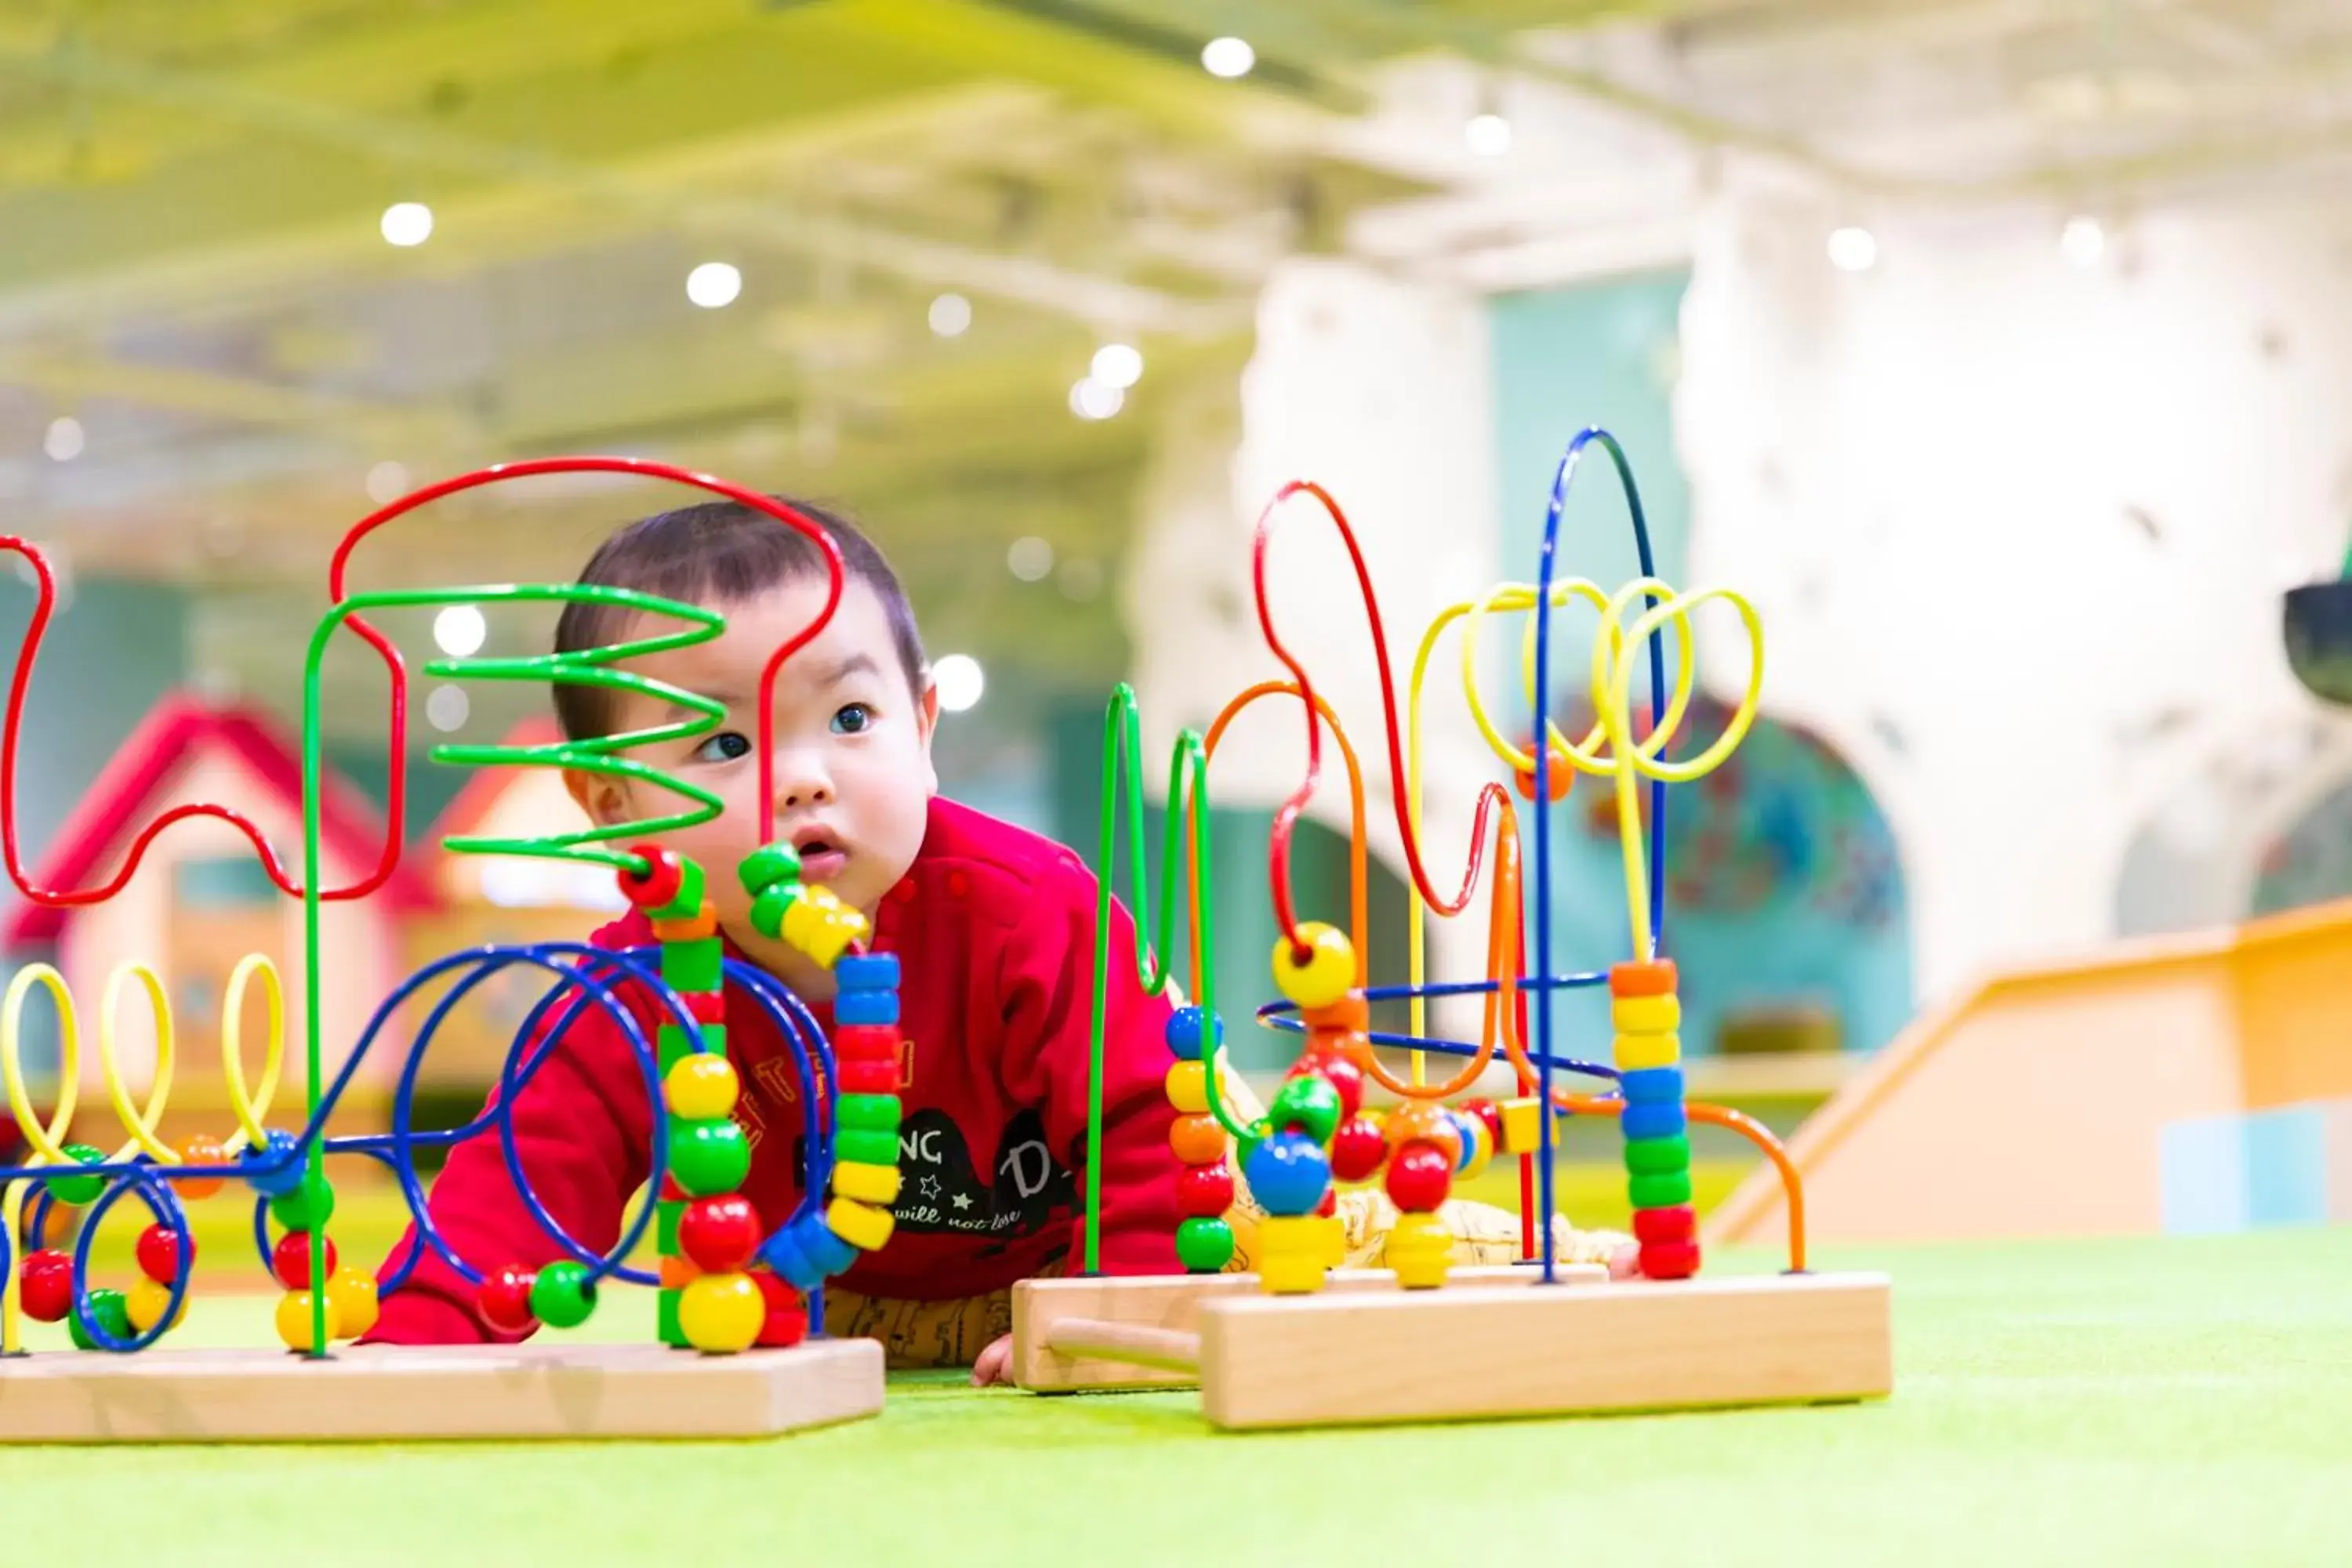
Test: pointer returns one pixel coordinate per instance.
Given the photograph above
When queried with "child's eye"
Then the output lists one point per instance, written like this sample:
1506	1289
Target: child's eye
724	747
853	718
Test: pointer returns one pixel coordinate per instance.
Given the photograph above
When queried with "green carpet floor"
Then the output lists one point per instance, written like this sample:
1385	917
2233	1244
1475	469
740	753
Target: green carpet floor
2143	1403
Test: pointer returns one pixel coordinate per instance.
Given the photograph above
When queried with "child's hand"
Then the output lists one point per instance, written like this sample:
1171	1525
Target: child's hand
1626	1262
995	1364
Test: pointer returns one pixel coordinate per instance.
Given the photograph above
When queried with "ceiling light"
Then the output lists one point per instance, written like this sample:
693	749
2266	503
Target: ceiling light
1228	58
714	284
407	224
1117	364
1092	399
459	630
960	680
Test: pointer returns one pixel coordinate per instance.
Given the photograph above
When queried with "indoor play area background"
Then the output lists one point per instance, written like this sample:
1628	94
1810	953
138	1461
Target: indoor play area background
1999	352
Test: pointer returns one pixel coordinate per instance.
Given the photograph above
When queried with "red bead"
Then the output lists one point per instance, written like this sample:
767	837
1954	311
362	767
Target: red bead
671	1192
1487	1111
866	1043
786	1323
1330	1206
159	1253
1669	1260
1662	1227
504	1301
1342	1075
290	1262
867	1077
1204	1192
45	1286
705	1007
1420	1175
1358	1149
719	1234
663	877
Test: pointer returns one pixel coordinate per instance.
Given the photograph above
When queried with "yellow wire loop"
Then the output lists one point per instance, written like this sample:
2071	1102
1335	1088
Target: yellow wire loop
140	1124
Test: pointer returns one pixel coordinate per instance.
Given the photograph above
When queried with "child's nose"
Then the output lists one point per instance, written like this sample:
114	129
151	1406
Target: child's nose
798	784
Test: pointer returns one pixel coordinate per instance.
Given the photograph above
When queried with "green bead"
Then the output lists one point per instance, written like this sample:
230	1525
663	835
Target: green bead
561	1297
867	1113
80	1190
309	1205
671	1041
686	902
1205	1246
860	1146
1657	1156
665	1218
767	909
1664	1191
764	867
1306	1101
707	1158
698	965
109	1311
666	1328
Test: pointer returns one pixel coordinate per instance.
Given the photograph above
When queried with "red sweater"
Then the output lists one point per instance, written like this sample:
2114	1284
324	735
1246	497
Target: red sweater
995	931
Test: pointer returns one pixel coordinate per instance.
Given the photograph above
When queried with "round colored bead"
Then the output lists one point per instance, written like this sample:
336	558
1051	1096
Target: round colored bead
1329	1207
719	1234
1326	972
108	1310
562	1296
870	1009
79	1190
1487	1111
504	1298
1187	1026
1419	1248
865	1077
767	866
770	907
1288	1174
1661	1226
701	1087
310	1205
351	1301
866	1226
866	972
785	1320
660	881
1358	1148
197	1149
277	1149
1669	1189
1465	1134
290	1261
45	1286
824	1247
1425	1121
1204	1192
1197	1140
1205	1246
1649	1123
868	1113
1657	1156
868	1042
858	1146
866	1183
1559	775
1668	1260
159	1253
783	1252
1343	1076
1654	977
708	1157
148	1302
294	1319
1651	1085
1309	1103
1188	1086
721	1313
1420	1175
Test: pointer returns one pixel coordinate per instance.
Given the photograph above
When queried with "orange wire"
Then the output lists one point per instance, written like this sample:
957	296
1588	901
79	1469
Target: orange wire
1738	1121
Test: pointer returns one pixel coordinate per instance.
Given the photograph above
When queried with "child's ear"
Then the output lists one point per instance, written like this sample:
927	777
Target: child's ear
603	798
930	726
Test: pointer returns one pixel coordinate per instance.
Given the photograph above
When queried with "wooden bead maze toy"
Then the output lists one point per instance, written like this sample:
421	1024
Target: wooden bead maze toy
740	1351
1301	1344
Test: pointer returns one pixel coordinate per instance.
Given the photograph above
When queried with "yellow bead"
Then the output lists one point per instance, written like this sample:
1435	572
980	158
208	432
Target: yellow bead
147	1302
721	1313
1637	1052
351	1302
1646	1015
1420	1249
1335	1240
1188	1088
866	1183
701	1087
294	1319
862	1226
1327	975
1482	1151
1291	1249
1522	1126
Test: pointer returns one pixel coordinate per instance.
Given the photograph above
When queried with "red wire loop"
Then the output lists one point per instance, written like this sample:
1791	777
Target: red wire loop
1278	842
395	795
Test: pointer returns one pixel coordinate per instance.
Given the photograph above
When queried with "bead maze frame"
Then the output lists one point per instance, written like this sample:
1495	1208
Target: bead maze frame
1298	1343
749	1299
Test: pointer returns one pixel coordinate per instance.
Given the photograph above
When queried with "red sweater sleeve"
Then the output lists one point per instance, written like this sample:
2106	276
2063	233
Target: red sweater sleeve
582	1129
1047	980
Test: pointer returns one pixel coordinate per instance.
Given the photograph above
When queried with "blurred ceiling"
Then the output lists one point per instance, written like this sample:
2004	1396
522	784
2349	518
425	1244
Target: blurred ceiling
191	265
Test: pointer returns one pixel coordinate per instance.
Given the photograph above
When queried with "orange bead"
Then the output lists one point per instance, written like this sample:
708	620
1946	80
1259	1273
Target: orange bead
1425	1121
1655	978
196	1149
1197	1140
678	1273
1557	780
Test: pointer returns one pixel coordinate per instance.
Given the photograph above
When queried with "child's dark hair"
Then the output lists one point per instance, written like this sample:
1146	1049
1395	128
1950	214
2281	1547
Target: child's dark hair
719	552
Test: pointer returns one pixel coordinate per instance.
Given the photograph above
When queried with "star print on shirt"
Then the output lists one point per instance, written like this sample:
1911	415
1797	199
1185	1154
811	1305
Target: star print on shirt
930	1186
964	1200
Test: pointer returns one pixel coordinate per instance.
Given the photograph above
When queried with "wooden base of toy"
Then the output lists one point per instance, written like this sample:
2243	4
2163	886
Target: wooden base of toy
1480	1351
379	1393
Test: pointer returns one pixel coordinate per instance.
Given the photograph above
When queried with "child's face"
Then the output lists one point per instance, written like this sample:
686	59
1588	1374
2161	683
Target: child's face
853	750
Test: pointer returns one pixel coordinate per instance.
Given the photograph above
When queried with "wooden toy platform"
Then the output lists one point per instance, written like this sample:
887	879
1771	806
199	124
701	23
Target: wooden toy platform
376	1394
1478	1349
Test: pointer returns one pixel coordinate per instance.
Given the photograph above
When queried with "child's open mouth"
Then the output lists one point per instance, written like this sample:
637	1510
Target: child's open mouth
822	857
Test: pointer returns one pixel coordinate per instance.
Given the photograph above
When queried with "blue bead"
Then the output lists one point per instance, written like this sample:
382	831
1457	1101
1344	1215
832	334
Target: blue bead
865	1007
866	972
278	1183
1654	1120
1467	1126
783	1254
1185	1026
1652	1084
827	1252
1288	1174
